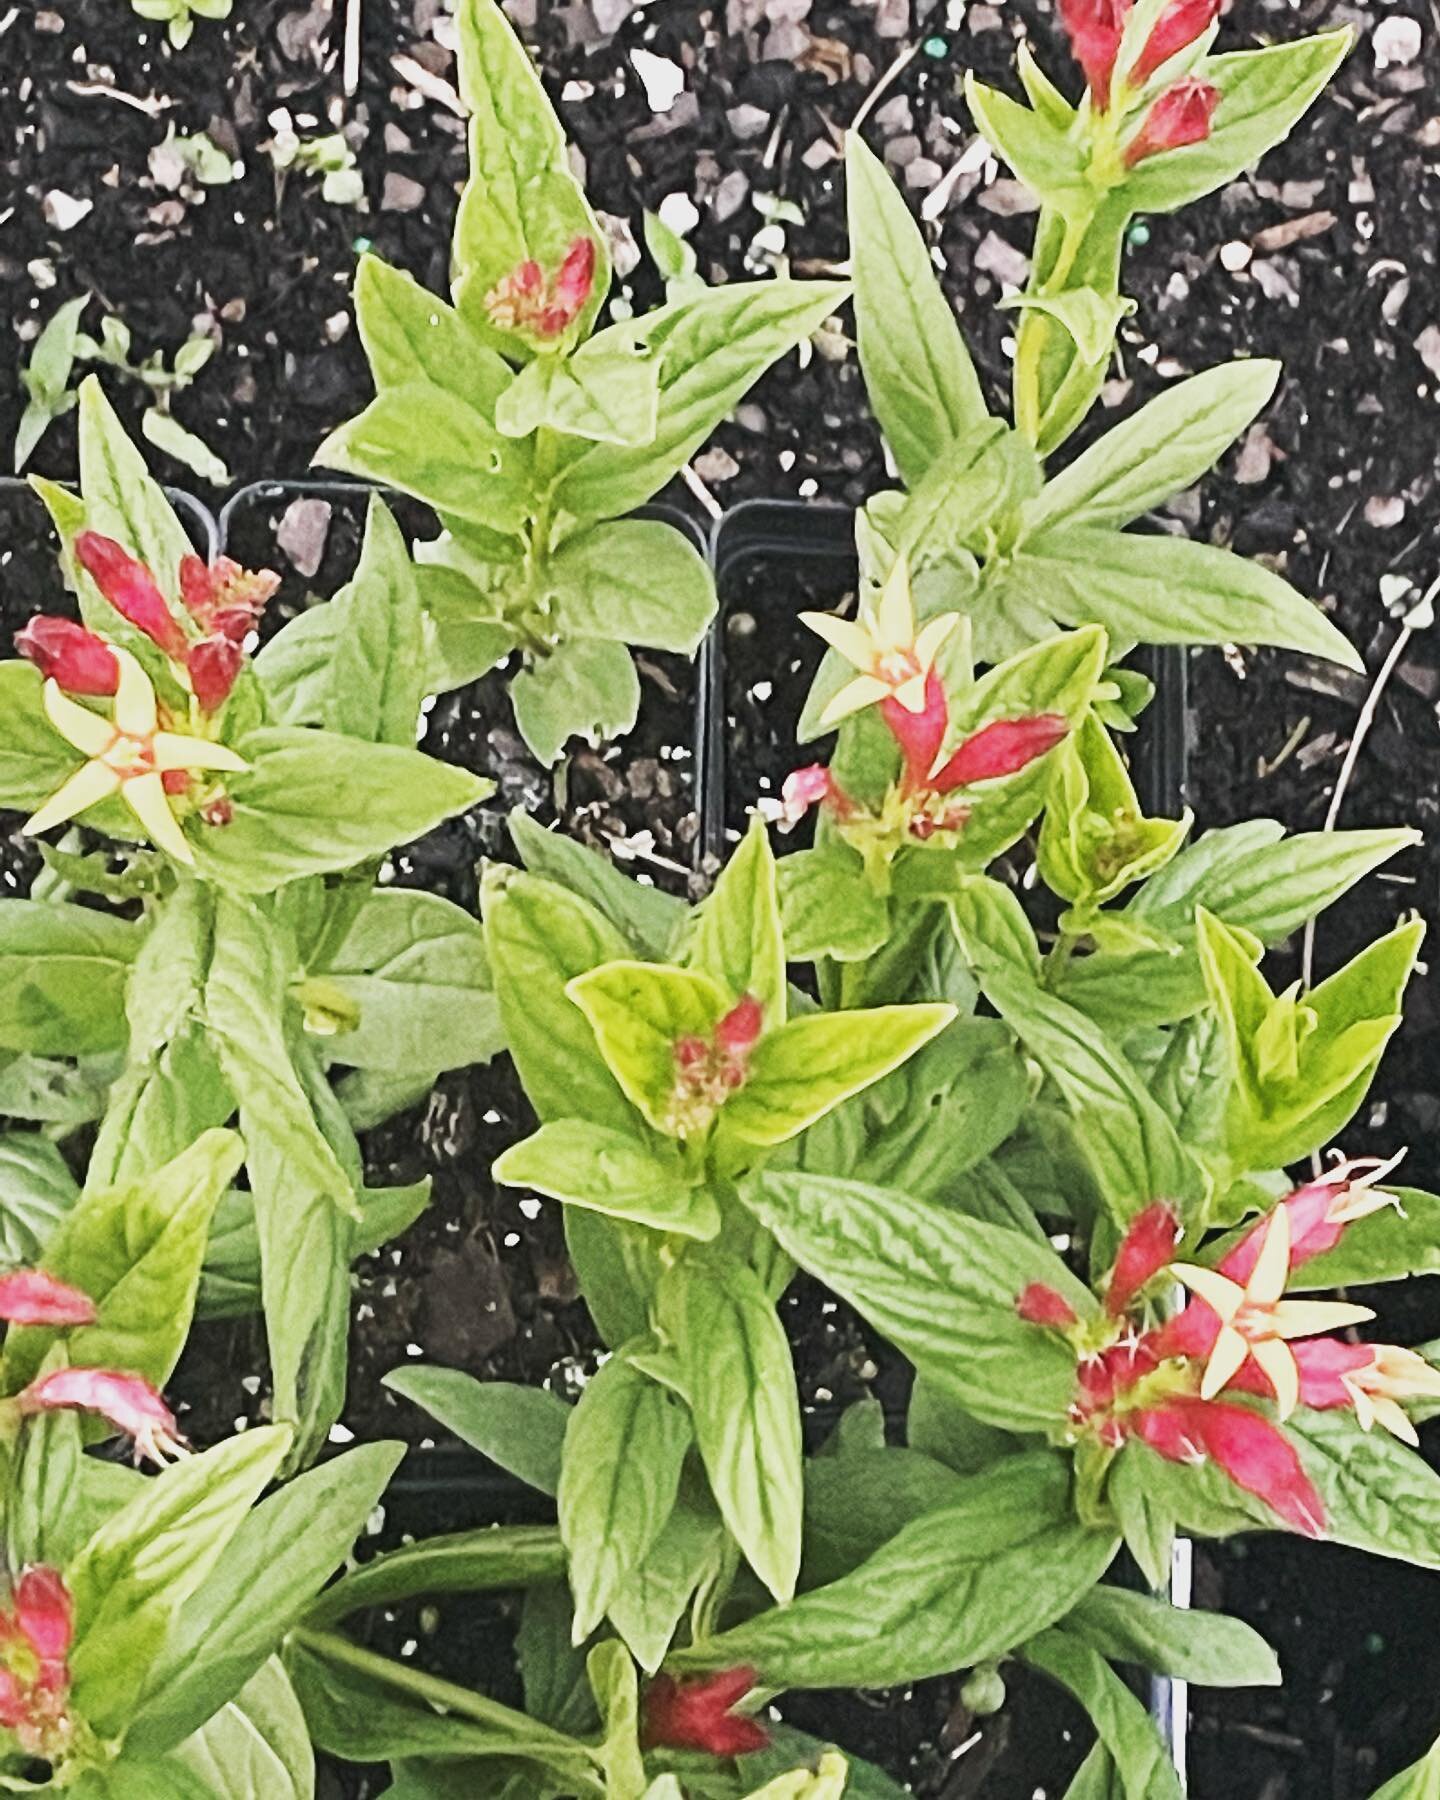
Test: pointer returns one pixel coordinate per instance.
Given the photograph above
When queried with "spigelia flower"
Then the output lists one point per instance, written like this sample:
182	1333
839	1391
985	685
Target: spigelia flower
223	598
1181	115
1369	1380
77	659
1040	1304
1256	1323
544	306
1319	1213
37	1627
128	1402
132	590
698	1714
1003	747
1256	1455
709	1069
803	788
130	754
31	1297
893	658
1176	29
1094	28
1147	1248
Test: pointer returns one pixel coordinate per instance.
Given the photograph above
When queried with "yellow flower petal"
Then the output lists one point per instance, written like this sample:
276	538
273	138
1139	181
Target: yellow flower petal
1278	1362
854	697
87	731
172	751
1272	1265
895	615
1226	1361
853	641
1215	1289
145	796
933	634
911	694
134	698
90	784
1389	1413
1308	1318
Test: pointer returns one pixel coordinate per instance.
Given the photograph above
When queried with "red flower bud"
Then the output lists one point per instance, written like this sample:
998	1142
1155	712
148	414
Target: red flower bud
1001	748
696	1715
690	1051
1255	1454
737	1031
1094	28
130	588
919	734
214	665
1177	27
128	1402
1148	1246
1040	1304
576	276
77	659
31	1297
45	1613
1179	117
195	588
524	300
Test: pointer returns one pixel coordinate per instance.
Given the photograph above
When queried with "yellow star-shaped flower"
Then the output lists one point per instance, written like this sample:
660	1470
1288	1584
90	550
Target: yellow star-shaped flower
894	659
127	754
1255	1321
1395	1375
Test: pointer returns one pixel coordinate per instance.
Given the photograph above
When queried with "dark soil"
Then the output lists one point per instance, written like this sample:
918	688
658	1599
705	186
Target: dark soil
1338	489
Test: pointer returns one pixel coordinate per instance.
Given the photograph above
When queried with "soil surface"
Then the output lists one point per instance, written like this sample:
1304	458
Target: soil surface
1329	262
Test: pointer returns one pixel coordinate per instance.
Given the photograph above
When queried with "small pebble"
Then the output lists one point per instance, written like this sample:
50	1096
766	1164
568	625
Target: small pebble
1396	40
1384	511
1235	256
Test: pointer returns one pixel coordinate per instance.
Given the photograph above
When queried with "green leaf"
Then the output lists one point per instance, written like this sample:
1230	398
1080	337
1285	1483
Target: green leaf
279	1558
612	1172
540	937
1262	94
1147	1524
1126	1730
941	1286
37	1190
688	1553
586	687
612	1676
170	437
1168	445
552	1669
124	503
136	1250
991	926
1089	317
638	1011
1421	1781
798	1072
371	679
711	348
1203	1647
63	972
855	1501
457	1562
139	1569
646	915
1390	1245
735	935
1378	1496
827	909
625	1444
638	581
736	1372
410	334
1042	154
958	1586
1168	590
34	758
918	373
416	968
314	802
255	1744
427	441
609	395
520	1428
1130	1144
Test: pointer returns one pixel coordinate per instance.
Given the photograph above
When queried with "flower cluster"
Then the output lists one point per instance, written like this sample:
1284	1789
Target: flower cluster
699	1714
896	664
544	307
140	753
708	1070
1183	112
1161	1381
128	1402
36	1629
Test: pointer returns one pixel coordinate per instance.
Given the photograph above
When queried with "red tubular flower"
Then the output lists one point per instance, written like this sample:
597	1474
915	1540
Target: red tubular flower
1094	28
1039	1304
78	660
576	277
919	734
214	664
524	300
31	1297
696	1715
1256	1455
45	1613
1319	1214
1178	26
1148	1246
802	789
222	597
128	1402
130	588
736	1033
1181	116
1001	748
